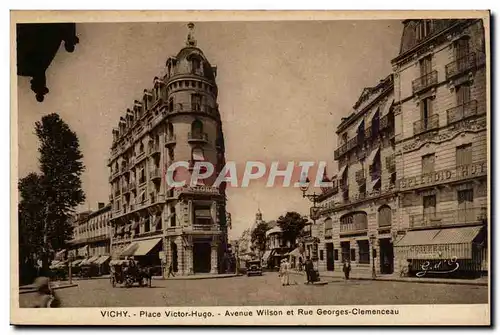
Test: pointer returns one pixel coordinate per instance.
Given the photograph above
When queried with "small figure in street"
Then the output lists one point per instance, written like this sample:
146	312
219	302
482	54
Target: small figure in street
45	296
284	273
300	264
170	270
347	269
309	267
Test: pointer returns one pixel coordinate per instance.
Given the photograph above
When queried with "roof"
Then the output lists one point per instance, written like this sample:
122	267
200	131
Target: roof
274	230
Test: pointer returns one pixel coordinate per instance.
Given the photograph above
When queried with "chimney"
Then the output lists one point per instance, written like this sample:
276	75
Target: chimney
100	205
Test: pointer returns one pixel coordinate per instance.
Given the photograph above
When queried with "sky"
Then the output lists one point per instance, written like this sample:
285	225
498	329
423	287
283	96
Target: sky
283	89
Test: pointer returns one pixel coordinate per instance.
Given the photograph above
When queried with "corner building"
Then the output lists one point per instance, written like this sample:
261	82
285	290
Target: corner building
357	214
441	144
177	120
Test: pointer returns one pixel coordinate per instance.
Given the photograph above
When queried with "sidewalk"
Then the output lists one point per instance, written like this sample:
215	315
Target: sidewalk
483	281
56	285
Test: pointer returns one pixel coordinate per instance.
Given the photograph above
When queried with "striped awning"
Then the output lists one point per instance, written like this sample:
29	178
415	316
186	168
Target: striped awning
372	155
342	171
102	260
417	237
93	259
457	235
387	108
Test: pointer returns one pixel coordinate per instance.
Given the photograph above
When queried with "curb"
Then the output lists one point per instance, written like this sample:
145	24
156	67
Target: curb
402	280
32	290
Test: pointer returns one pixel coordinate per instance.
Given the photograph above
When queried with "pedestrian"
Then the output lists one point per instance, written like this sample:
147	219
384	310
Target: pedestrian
300	264
284	273
170	270
347	269
45	297
309	268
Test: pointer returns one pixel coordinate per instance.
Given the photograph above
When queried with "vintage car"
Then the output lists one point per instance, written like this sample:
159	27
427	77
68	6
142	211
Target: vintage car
254	268
122	273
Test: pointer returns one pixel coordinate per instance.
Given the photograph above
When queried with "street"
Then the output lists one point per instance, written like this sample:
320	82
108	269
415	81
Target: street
265	290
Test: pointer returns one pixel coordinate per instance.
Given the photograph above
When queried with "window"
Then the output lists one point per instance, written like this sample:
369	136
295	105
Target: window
425	66
461	49
425	110
353	255
428	162
196	128
344	138
172	217
463	94
464	155
147	225
195	66
384	216
336	254
345	247
429	202
195	102
465	200
171	105
197	155
203	215
423	29
321	256
328	227
364	252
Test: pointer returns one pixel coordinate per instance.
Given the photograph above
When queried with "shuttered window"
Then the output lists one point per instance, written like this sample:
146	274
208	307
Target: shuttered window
465	199
385	217
425	66
429	202
428	162
463	94
464	155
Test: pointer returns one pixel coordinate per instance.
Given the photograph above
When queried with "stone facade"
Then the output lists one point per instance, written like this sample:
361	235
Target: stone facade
177	120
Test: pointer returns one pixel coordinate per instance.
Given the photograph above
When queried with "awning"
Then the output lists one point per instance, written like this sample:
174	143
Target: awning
374	183
157	221
457	235
102	260
266	256
83	251
274	230
198	154
85	261
135	224
342	171
372	155
77	262
60	254
360	123
295	252
387	108
140	248
417	237
93	259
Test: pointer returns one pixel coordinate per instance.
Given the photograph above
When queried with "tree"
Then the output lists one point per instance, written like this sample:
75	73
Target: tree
259	236
291	224
58	187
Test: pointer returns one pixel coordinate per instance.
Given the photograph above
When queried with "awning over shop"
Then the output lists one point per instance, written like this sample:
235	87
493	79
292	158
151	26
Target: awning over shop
342	171
266	256
85	261
102	260
295	253
372	156
83	251
77	262
387	108
445	243
60	254
93	259
140	248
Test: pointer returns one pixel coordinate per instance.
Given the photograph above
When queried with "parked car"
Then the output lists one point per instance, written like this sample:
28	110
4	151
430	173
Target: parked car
254	268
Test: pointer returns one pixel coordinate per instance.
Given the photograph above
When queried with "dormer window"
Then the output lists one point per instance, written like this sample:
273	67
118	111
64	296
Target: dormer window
195	65
423	29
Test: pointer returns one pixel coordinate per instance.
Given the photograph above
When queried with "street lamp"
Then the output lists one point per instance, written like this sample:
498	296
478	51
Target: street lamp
304	186
374	255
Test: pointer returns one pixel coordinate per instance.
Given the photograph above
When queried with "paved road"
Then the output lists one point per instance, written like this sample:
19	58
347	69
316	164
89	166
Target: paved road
265	290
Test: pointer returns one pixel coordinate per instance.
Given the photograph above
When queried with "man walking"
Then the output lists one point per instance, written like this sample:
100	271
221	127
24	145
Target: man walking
347	269
170	270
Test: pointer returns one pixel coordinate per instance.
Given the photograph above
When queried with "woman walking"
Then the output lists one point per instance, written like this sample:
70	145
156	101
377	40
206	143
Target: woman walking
284	273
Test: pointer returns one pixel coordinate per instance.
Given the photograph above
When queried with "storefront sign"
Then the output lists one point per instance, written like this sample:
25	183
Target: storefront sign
438	251
198	190
443	176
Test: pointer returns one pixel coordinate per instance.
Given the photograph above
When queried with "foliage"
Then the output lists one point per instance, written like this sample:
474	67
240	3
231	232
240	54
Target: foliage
47	200
291	224
259	236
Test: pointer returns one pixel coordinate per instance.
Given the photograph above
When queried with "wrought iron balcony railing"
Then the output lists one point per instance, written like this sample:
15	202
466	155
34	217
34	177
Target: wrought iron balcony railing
461	112
353	226
451	217
461	65
427	124
426	81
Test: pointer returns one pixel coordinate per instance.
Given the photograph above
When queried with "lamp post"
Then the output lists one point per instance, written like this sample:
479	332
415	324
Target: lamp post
374	255
70	261
304	186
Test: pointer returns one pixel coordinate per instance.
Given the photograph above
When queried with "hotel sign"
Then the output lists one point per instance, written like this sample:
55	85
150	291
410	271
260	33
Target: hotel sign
444	176
197	190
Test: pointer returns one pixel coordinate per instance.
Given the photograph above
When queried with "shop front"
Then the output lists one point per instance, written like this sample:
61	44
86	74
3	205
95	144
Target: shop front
448	252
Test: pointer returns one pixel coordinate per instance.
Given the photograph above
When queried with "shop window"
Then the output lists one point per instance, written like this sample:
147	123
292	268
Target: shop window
321	252
364	252
353	255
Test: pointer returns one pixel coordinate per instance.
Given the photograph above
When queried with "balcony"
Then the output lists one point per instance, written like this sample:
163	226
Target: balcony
360	177
346	147
446	218
197	137
425	125
461	65
354	226
154	149
155	174
424	82
126	189
387	121
170	139
140	156
458	173
461	112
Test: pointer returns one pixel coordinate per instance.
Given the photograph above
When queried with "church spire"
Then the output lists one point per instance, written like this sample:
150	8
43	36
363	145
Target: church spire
190	41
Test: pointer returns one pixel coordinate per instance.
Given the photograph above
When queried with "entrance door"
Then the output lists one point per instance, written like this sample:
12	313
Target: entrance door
346	249
330	264
386	256
201	257
173	247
